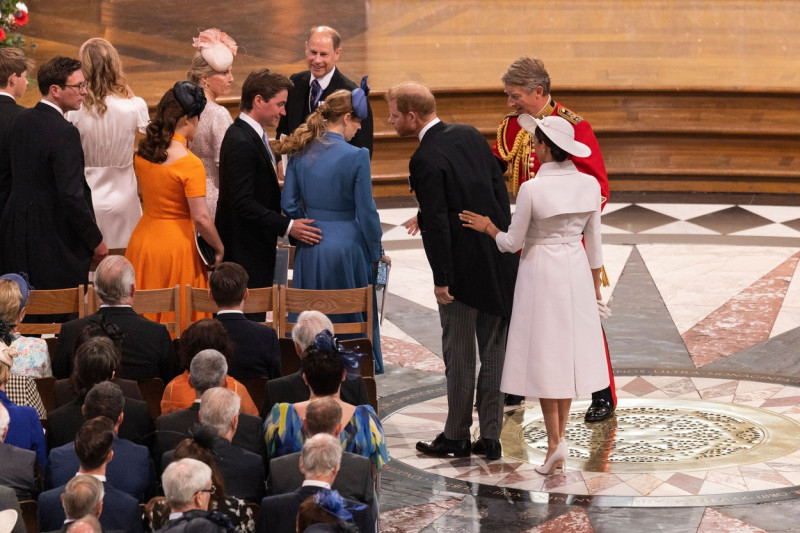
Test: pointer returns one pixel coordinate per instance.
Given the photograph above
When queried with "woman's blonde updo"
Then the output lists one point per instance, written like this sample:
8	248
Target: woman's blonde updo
199	69
331	110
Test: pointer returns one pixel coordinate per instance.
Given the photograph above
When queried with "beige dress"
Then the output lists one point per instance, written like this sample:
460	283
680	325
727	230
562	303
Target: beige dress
214	122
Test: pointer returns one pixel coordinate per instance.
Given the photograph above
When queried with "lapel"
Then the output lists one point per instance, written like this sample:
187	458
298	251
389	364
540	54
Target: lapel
251	134
51	112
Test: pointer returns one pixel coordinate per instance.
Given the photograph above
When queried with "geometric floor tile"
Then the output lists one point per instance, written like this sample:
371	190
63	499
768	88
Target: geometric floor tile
635	218
716	522
417	517
730	220
576	521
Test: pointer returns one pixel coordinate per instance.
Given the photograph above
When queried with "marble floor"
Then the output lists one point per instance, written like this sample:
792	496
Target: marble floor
705	344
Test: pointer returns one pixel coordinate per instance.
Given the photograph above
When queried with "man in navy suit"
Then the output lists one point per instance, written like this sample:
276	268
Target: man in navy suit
256	351
131	471
249	218
313	86
47	227
319	462
93	445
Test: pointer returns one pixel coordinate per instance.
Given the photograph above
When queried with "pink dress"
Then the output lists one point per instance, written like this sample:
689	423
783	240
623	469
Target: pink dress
214	122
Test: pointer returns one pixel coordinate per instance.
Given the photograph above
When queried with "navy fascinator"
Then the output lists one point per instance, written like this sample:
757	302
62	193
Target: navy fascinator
326	342
359	99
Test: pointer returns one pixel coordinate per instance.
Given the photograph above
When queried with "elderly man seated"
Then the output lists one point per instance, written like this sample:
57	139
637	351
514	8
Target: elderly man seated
188	488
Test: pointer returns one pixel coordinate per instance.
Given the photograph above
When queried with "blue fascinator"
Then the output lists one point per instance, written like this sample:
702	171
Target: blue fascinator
326	342
333	503
359	99
25	287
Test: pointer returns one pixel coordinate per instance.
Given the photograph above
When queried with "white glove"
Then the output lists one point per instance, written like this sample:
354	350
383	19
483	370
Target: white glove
603	308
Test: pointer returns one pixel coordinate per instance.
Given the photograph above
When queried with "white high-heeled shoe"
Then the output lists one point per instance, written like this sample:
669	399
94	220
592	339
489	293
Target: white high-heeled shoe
556	461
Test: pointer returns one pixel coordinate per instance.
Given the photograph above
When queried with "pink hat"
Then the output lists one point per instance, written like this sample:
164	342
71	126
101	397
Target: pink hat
216	48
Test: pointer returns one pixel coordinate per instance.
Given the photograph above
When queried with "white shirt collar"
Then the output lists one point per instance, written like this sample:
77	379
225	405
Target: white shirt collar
253	124
108	305
54	106
229	311
96	476
3	93
428	126
315	483
325	80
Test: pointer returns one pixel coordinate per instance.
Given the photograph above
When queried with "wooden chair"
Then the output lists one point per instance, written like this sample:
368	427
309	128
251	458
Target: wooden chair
29	515
290	361
329	302
366	365
52	302
150	301
259	300
46	387
372	392
256	387
152	390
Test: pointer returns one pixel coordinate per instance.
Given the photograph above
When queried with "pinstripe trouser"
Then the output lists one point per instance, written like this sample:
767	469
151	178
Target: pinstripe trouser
461	326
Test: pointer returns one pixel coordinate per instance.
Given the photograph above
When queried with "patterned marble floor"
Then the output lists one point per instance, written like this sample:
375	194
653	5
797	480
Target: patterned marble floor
706	309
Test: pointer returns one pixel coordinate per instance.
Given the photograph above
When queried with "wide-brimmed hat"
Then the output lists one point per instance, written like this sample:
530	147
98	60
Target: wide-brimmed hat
8	519
558	130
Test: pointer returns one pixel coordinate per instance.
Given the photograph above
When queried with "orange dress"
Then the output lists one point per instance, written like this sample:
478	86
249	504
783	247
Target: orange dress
162	248
179	394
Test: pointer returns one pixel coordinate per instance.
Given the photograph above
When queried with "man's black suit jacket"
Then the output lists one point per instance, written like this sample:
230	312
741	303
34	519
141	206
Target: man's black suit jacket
453	169
297	106
147	350
249	219
64	390
47	227
256	351
292	389
279	513
172	428
120	510
63	423
8	110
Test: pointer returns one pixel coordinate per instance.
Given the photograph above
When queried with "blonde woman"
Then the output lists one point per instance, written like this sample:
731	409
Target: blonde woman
108	121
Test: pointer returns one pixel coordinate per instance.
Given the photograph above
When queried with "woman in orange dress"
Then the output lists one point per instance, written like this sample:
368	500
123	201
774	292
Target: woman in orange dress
173	185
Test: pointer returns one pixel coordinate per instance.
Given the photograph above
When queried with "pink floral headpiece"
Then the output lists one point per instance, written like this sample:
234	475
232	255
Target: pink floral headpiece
216	47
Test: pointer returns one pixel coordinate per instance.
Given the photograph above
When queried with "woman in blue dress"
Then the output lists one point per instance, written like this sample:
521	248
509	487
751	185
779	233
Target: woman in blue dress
329	181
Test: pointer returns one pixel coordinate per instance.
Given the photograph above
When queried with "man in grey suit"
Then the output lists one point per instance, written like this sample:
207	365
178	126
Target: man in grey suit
18	467
355	474
8	500
452	170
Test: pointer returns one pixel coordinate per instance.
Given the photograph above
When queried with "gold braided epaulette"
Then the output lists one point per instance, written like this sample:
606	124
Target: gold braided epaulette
518	153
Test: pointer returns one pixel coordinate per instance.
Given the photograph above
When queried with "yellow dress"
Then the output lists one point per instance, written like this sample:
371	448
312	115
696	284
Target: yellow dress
162	248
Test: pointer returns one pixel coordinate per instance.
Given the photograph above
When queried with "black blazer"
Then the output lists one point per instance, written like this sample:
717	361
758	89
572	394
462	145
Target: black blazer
292	389
64	392
256	351
120	511
8	110
146	350
47	227
64	422
452	170
249	219
279	513
297	106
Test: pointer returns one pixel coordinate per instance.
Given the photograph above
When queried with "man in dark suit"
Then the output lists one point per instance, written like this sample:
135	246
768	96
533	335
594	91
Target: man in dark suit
188	489
8	500
14	67
18	467
292	388
242	471
319	461
256	351
249	219
208	369
47	227
93	444
322	79
147	350
452	170
131	471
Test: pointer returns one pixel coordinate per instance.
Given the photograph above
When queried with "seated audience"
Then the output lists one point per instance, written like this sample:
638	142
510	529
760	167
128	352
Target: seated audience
82	497
66	390
24	430
355	476
243	471
146	348
256	351
9	502
96	361
292	388
207	370
189	488
22	390
93	445
323	369
18	467
319	462
201	447
33	359
131	471
202	335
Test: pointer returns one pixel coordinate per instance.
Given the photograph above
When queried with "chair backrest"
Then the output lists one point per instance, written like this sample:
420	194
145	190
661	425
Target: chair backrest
30	515
372	392
259	300
329	302
256	386
290	361
150	301
152	390
52	302
47	391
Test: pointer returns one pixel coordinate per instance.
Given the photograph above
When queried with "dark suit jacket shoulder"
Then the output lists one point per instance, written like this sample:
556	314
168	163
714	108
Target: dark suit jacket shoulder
256	351
64	422
279	513
8	110
354	480
8	500
120	511
64	391
292	389
19	470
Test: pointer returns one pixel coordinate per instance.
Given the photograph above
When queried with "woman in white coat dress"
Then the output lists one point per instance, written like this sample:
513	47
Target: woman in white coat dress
555	348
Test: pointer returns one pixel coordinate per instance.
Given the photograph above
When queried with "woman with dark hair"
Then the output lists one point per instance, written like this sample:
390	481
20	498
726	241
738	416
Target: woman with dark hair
323	367
201	447
326	512
328	180
555	350
173	183
202	335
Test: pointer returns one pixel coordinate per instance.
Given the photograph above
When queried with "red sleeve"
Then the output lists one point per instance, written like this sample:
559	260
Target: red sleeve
592	165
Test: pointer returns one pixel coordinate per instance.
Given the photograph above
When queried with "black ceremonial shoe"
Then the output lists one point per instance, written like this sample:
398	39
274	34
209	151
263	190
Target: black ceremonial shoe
491	448
599	410
441	445
513	399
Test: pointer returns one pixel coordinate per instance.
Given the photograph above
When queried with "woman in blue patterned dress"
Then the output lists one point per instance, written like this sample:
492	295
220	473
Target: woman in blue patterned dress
324	371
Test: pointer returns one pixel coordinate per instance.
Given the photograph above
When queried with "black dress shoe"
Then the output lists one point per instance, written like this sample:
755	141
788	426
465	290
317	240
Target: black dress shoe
599	410
441	445
513	399
489	447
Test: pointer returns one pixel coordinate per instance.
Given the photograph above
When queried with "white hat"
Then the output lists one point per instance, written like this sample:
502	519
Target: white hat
557	130
8	519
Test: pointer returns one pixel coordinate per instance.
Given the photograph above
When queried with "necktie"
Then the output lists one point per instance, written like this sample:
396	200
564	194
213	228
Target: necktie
313	97
269	150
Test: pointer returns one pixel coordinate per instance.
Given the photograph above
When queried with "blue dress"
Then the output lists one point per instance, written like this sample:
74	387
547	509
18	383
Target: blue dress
25	431
330	182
